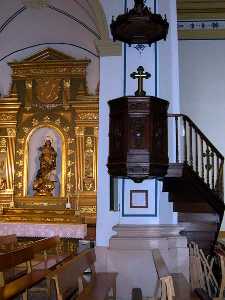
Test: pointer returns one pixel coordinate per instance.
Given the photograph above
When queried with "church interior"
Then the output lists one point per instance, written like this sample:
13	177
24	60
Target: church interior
111	158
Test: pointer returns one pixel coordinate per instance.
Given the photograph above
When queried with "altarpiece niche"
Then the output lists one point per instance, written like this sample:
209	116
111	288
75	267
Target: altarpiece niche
48	135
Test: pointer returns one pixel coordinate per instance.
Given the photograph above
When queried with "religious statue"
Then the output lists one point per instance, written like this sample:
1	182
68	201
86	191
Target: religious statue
44	184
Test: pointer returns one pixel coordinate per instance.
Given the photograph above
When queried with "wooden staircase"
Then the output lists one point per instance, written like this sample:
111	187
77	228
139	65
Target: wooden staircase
195	183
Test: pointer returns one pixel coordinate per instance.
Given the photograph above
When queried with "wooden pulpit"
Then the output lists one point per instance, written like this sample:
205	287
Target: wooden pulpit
138	135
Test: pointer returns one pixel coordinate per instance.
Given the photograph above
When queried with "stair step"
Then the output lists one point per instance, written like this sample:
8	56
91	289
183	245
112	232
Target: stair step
198	226
199	235
198	217
183	207
181	196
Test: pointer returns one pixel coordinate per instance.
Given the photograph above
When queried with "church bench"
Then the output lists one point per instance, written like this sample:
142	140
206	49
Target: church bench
47	261
21	285
8	243
15	263
18	285
9	260
172	284
44	262
95	286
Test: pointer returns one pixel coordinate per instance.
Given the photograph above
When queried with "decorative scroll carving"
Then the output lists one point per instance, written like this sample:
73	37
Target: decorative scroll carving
6	117
79	131
35	122
3	145
89	157
11	132
3	159
58	122
46	119
89	184
50	71
87	116
88	209
26	130
48	90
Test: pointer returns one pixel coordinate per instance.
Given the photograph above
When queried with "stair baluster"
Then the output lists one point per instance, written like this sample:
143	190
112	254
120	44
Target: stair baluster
195	181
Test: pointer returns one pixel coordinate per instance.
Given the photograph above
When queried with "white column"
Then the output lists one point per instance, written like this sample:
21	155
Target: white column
168	87
111	83
168	58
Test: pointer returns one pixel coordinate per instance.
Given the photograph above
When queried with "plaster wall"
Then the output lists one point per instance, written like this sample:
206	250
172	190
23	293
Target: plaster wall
202	73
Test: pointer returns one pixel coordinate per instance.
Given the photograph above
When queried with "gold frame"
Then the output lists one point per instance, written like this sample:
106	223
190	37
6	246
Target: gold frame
26	157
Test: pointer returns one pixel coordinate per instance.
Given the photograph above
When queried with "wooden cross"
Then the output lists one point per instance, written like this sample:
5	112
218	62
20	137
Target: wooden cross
140	75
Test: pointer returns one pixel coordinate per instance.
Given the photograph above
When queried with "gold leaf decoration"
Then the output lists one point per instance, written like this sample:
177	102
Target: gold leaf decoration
87	116
11	132
26	130
6	117
35	122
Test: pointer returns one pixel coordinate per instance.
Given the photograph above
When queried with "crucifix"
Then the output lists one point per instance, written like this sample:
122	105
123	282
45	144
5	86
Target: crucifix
140	75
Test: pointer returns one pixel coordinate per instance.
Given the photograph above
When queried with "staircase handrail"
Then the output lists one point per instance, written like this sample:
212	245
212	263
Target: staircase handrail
200	133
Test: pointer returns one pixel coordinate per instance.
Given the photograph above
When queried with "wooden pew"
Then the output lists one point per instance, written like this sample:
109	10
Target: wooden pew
70	279
48	261
23	283
172	285
8	243
31	274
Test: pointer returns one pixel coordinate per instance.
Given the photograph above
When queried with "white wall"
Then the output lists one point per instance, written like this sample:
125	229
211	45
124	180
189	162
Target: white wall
202	86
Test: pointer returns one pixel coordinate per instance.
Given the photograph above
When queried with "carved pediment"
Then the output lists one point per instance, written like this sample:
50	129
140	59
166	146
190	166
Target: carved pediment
49	62
47	55
50	76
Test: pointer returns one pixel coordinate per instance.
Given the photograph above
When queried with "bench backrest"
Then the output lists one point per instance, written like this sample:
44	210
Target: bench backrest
6	239
160	265
166	280
69	276
16	257
45	244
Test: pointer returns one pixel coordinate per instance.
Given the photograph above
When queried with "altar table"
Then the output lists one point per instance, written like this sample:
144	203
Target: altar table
71	231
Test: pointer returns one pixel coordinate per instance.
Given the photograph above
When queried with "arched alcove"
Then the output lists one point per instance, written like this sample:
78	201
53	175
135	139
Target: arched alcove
35	140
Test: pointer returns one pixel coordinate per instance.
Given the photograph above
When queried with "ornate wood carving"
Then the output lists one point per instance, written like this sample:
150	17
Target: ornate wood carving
138	146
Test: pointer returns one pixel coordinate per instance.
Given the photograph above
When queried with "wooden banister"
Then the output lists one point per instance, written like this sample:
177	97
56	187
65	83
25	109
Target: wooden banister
194	149
136	294
198	131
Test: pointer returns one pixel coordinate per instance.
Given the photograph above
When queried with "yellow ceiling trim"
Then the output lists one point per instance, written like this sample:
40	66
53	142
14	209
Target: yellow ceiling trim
200	9
201	34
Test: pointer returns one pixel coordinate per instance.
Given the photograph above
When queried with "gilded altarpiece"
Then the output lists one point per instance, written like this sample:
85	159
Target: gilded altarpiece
49	91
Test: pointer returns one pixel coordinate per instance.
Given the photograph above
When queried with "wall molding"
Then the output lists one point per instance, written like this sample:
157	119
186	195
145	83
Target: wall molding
11	18
197	9
65	13
201	34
